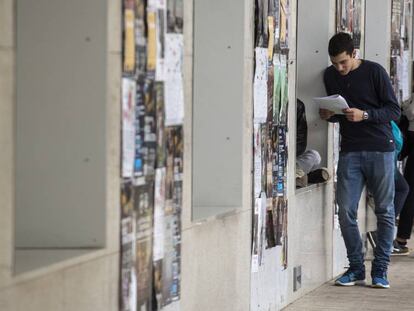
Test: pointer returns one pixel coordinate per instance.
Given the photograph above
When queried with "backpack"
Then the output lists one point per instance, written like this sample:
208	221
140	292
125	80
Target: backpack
398	138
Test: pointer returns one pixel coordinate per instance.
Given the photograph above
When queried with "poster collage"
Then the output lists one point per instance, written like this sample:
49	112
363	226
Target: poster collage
401	21
152	154
350	19
270	129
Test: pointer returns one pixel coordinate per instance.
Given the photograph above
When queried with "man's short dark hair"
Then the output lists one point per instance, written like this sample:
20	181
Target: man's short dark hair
339	43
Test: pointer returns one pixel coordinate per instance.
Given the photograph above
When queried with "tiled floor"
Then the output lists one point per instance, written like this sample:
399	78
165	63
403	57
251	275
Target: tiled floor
364	298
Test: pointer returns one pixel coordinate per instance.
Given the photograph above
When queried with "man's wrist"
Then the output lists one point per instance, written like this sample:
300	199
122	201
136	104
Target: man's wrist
365	115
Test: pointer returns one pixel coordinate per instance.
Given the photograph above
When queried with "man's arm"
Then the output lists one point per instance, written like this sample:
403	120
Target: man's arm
390	111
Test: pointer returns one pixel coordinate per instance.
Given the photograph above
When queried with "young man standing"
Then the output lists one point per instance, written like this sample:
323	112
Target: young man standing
366	155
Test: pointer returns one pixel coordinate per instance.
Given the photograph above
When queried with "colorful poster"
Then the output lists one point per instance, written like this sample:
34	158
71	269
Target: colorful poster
139	129
150	129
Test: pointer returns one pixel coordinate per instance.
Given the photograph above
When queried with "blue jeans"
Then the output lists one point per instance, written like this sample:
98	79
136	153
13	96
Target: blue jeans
376	170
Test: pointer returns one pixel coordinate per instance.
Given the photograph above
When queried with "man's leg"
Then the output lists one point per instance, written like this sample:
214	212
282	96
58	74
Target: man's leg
349	188
379	171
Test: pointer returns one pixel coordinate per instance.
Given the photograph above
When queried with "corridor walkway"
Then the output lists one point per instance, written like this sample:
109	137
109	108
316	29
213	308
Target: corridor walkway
358	298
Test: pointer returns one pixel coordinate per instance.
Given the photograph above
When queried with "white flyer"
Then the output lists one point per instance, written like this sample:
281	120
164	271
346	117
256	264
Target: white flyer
335	103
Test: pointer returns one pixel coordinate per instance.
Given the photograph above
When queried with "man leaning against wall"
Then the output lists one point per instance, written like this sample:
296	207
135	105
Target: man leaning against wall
366	154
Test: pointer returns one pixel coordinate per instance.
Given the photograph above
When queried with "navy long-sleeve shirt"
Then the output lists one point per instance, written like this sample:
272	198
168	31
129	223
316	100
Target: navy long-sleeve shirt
367	88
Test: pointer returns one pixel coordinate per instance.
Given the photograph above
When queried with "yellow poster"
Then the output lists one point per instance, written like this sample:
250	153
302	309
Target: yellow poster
271	23
129	43
152	41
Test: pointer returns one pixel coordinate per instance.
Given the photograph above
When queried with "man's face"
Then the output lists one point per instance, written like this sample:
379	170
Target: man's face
343	63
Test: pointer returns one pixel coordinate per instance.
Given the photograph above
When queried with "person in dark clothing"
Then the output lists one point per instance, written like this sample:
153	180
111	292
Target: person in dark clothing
308	162
366	155
405	224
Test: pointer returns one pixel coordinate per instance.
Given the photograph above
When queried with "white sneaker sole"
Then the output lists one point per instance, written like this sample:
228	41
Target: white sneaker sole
380	286
361	283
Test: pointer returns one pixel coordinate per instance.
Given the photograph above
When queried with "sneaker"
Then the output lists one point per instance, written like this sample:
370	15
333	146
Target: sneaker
372	238
380	281
399	250
352	277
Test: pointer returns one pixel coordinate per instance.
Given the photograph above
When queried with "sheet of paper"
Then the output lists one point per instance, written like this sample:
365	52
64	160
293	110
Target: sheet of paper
334	103
128	127
260	86
174	93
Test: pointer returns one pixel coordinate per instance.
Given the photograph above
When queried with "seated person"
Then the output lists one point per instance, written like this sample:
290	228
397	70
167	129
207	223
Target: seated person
308	162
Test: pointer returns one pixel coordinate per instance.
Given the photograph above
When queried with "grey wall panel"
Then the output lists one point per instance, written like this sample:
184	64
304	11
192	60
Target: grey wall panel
312	58
217	106
60	123
378	32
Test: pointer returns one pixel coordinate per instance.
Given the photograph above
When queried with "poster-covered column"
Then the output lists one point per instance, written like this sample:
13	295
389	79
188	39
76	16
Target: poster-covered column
152	154
270	101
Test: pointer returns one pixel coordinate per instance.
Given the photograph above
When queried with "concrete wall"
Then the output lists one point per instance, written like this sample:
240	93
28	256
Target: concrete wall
215	251
88	282
60	123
